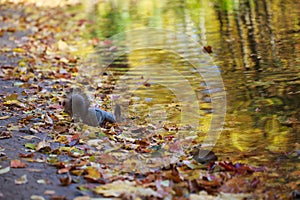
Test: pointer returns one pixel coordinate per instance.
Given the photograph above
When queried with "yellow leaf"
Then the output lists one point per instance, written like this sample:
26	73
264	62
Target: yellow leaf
4	117
118	188
18	50
12	97
93	172
14	103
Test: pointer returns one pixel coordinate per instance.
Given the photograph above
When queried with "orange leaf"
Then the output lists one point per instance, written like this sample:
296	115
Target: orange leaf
17	164
22	155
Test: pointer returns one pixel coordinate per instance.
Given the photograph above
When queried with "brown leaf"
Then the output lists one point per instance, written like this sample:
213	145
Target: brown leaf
29	155
236	185
208	49
43	146
17	164
240	168
74	140
64	170
173	175
213	183
5	134
66	180
58	197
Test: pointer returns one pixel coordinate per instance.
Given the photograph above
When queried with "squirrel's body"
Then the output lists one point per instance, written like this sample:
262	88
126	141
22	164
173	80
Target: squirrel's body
78	106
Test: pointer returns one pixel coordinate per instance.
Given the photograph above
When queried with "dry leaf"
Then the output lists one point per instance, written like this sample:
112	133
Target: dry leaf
66	180
82	198
43	145
64	170
21	180
118	188
4	117
49	192
92	174
5	134
29	155
4	170
17	164
36	197
58	198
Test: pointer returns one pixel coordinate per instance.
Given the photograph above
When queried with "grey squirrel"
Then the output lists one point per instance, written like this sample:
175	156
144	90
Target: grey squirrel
77	105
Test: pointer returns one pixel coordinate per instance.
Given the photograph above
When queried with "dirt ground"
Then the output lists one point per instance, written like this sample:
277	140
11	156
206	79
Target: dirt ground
50	188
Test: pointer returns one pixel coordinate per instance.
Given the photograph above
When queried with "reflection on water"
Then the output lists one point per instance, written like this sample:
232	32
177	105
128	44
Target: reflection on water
165	77
255	44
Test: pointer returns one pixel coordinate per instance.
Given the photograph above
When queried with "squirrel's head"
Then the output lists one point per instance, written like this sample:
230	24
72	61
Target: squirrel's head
67	104
76	103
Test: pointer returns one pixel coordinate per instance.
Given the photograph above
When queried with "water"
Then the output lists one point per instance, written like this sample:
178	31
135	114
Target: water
255	47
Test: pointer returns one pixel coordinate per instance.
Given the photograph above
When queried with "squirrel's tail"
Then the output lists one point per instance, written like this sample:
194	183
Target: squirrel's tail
117	113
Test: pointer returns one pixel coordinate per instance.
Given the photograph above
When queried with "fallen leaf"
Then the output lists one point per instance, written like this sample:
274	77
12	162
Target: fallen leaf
13	128
33	131
74	140
34	170
5	134
4	117
240	168
92	174
86	187
82	198
29	137
4	170
30	146
222	196
48	119
236	185
19	50
43	146
118	188
29	155
21	180
17	164
58	197
64	170
14	103
11	97
49	192
173	175
66	180
36	197
77	172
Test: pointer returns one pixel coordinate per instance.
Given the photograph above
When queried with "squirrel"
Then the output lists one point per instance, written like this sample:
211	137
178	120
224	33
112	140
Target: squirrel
77	105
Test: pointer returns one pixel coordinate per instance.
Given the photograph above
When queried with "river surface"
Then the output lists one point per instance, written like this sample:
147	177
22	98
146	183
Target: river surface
209	65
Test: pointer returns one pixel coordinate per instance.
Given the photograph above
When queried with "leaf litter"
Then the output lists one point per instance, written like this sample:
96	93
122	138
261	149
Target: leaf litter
109	160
